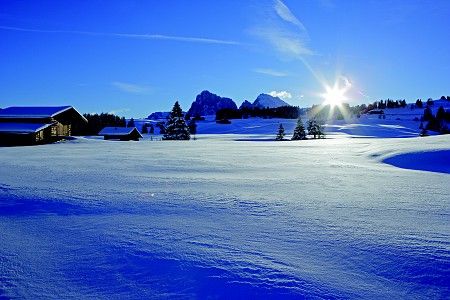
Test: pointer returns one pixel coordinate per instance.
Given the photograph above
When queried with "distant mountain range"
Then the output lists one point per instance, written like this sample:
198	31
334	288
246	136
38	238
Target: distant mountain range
158	115
265	100
207	103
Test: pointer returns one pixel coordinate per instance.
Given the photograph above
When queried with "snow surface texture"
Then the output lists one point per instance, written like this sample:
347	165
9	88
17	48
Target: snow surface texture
224	217
367	126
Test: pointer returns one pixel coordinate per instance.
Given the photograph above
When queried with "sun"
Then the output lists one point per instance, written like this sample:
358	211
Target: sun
334	96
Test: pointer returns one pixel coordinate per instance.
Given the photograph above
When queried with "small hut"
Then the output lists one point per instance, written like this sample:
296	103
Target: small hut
28	125
121	133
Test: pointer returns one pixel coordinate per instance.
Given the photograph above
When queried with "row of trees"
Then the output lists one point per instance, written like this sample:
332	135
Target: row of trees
419	103
97	122
438	122
314	128
383	104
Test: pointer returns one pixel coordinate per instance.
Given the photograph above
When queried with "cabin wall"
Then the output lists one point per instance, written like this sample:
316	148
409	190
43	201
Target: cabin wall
73	122
61	130
44	136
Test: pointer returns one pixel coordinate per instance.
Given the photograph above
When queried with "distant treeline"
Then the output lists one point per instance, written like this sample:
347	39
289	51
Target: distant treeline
97	122
383	104
283	112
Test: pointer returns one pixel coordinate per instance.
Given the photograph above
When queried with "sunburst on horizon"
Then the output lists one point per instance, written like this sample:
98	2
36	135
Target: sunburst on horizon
336	95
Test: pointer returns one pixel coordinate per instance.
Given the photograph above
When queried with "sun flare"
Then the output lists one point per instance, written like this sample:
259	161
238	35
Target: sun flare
334	96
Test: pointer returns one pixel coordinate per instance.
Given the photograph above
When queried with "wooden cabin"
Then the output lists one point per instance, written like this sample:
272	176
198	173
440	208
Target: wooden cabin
121	133
28	125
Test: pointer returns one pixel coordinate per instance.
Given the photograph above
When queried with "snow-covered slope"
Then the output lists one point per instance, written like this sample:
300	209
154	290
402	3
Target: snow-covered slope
366	126
398	122
219	218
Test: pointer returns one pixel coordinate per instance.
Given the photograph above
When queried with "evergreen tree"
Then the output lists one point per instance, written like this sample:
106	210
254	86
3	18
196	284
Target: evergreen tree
299	131
419	103
176	128
192	127
315	129
280	134
440	115
428	114
151	129
131	123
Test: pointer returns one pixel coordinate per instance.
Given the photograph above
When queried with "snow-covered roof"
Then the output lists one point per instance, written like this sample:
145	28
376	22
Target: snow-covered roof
118	131
34	112
22	128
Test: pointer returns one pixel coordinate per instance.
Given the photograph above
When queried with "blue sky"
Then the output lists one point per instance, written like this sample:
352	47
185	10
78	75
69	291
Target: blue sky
136	57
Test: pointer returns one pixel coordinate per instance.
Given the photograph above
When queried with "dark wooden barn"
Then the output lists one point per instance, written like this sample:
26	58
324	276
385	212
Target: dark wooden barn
121	133
28	125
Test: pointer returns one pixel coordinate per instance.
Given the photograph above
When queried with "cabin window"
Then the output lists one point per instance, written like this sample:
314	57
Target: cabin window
39	136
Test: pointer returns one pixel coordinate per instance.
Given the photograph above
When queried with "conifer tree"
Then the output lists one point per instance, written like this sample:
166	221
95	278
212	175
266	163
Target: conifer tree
280	134
176	128
440	115
151	129
299	131
315	129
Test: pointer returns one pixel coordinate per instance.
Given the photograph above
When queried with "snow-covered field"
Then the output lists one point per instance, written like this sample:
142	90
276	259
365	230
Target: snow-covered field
229	216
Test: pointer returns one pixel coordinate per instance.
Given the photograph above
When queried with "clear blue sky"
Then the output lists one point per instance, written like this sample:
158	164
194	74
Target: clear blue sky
136	57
